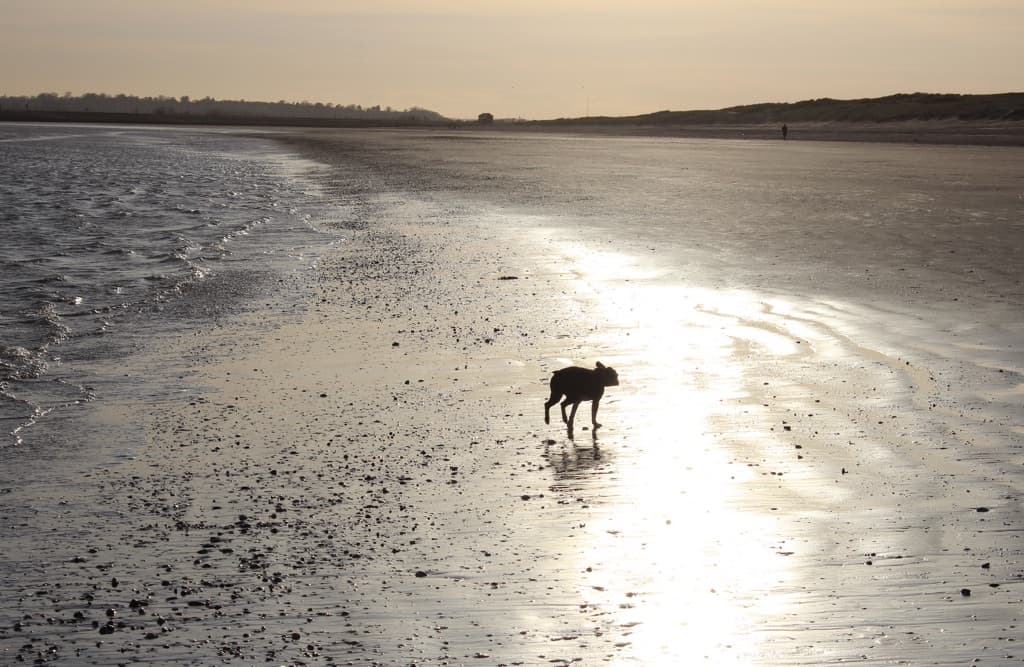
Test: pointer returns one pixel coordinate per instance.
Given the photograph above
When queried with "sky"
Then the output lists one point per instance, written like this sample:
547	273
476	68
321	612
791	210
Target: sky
514	58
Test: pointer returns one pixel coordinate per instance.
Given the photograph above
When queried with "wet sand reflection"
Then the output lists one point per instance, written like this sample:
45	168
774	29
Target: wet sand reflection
673	555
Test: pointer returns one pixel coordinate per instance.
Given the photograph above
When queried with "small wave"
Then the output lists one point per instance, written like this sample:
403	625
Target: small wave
173	258
43	326
53	395
51	137
56	278
118	251
19	410
48	316
19	363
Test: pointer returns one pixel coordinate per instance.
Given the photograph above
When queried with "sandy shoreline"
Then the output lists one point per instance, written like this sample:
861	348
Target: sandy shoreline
924	132
362	485
370	481
959	133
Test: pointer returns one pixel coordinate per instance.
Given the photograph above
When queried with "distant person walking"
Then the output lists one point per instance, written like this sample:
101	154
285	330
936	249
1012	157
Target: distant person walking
785	130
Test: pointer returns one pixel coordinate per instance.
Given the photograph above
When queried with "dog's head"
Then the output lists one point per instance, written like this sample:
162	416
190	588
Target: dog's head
609	378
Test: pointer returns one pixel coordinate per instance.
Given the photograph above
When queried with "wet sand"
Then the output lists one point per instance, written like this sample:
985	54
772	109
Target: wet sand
940	132
801	466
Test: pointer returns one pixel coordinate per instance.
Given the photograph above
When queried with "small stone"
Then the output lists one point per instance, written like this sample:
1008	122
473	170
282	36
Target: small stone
966	592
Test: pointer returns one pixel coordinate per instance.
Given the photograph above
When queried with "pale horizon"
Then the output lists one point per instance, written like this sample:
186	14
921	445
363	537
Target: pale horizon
526	59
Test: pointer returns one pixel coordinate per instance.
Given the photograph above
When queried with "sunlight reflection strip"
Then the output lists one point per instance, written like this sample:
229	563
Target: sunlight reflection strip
680	569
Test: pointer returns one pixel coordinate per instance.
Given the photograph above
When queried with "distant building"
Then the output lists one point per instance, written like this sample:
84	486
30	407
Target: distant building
485	118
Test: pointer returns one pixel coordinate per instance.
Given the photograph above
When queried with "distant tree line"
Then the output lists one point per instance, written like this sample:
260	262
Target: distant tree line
210	107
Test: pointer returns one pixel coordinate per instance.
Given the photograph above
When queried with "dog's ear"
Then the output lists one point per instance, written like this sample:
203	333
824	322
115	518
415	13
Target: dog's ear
600	365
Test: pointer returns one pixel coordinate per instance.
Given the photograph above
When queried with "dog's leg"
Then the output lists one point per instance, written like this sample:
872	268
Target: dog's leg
593	413
572	418
547	406
565	420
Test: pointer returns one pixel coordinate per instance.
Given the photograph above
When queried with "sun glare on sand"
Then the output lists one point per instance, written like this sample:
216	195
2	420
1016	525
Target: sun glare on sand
671	550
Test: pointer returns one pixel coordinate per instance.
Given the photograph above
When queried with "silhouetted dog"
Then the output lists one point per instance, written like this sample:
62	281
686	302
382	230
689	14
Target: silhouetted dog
578	385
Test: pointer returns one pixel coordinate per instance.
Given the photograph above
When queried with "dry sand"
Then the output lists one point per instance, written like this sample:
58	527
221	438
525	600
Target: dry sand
370	481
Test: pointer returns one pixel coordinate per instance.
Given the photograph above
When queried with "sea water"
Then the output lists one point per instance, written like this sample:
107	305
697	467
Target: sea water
113	235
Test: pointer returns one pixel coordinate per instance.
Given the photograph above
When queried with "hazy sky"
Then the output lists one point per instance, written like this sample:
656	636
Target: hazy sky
529	58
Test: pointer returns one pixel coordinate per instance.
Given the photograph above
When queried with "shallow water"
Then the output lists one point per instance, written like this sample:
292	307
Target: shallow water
105	228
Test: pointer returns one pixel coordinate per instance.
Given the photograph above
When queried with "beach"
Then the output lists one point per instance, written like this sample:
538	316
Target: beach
912	131
813	457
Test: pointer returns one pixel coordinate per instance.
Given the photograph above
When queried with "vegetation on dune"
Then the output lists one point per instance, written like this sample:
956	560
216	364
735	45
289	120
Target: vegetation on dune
893	108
